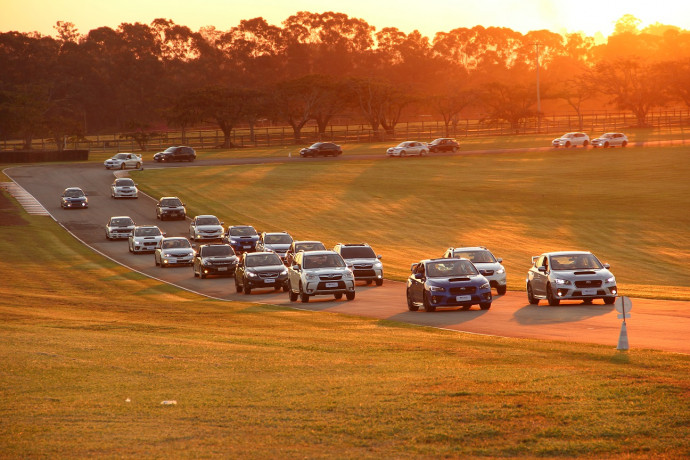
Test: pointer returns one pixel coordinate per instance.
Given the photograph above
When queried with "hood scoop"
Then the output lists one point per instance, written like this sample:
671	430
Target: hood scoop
458	279
585	273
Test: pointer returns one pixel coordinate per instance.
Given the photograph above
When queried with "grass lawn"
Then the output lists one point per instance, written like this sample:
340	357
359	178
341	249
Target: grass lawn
90	350
628	206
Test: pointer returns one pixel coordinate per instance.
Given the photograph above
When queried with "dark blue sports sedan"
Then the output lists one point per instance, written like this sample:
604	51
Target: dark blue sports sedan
447	283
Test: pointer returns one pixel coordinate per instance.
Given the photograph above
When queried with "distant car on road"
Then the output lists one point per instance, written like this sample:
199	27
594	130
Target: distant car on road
443	144
205	227
321	149
215	259
408	148
74	198
260	270
487	264
124	187
363	261
447	283
119	227
242	238
145	238
180	153
570	275
320	273
170	207
173	250
278	242
571	140
302	245
124	161
610	140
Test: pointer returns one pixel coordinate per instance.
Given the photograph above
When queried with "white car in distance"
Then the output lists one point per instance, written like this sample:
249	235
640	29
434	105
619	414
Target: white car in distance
124	187
206	227
610	140
571	140
124	161
408	148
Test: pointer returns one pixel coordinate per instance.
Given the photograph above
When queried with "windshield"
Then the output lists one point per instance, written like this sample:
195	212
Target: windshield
217	251
357	252
277	239
323	261
262	260
476	257
207	221
171	202
170	149
315	146
403	144
121	156
242	231
575	262
147	231
607	136
177	243
449	268
124	183
74	193
310	246
121	222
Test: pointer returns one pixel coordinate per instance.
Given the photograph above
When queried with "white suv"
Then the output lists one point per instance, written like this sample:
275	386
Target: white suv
571	140
320	273
363	261
486	263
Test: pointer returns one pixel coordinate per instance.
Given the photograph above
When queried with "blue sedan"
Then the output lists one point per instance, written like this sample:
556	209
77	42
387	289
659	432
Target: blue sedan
447	283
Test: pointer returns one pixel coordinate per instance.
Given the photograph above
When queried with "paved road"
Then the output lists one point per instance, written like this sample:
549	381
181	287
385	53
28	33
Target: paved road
655	324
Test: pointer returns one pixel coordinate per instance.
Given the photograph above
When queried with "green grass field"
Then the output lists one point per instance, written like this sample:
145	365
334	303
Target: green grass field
89	351
628	206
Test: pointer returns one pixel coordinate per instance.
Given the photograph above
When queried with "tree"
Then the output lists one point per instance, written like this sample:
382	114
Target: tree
225	107
511	103
294	101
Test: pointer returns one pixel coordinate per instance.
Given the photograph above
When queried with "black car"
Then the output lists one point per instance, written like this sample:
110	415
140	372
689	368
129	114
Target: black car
74	197
443	144
214	259
260	270
321	149
170	207
180	153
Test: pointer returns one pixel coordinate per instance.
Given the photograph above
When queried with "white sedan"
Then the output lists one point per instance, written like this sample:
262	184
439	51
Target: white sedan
124	187
610	140
571	140
408	148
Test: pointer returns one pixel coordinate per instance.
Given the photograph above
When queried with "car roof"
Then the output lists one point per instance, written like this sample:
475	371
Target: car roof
147	226
306	241
252	254
169	197
175	238
321	252
240	226
471	248
562	253
73	188
120	217
440	259
205	215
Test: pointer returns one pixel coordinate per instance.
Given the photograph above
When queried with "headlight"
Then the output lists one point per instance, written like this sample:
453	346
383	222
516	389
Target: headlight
378	265
561	282
485	286
252	274
312	276
611	280
233	241
436	288
284	271
500	271
348	275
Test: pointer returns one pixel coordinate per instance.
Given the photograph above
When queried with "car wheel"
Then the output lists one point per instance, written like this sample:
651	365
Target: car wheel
338	296
285	287
530	295
107	237
606	145
410	304
138	165
501	290
624	143
303	296
129	246
549	296
247	289
485	305
609	300
585	143
567	144
423	153
379	282
238	288
427	303
350	295
122	166
292	294
455	149
402	154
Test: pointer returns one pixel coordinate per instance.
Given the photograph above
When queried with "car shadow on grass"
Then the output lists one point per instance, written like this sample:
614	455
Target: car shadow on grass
564	313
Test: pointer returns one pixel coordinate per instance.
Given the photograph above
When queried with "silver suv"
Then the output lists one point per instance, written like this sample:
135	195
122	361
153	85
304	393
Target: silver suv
206	227
570	275
363	261
486	263
320	273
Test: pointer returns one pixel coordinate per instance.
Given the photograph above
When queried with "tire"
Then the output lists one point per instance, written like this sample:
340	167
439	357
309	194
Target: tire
455	149
411	305
107	237
247	289
485	305
423	153
293	295
303	296
238	288
350	295
624	143
585	144
606	145
501	290
129	246
379	282
403	154
609	300
138	165
122	166
285	287
427	304
338	296
553	302
530	296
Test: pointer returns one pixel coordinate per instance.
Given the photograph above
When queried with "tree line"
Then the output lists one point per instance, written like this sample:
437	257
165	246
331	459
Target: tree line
142	77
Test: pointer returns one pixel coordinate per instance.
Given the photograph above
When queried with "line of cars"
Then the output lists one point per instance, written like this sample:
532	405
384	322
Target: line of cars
407	148
576	139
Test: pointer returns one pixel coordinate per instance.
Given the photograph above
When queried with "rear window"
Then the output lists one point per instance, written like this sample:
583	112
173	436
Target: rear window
357	252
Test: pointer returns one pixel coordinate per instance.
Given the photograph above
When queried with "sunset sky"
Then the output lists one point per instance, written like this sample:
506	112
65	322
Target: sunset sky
427	16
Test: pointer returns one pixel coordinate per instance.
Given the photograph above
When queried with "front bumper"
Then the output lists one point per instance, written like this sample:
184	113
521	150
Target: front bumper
125	194
219	269
144	247
323	287
177	260
116	233
441	299
575	293
75	204
272	282
178	214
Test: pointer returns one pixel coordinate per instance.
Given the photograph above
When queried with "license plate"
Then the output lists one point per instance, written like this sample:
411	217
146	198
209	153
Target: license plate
331	284
463	298
222	269
269	280
589	292
247	247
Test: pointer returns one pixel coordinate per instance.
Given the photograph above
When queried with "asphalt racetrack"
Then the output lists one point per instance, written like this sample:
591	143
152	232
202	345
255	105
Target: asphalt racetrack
655	324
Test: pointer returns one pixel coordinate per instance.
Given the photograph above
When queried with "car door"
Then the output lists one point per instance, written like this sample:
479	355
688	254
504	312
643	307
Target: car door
417	283
540	275
295	274
239	271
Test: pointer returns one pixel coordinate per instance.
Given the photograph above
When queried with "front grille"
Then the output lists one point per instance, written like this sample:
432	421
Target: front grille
588	284
322	286
364	272
268	275
487	272
149	243
362	266
463	290
330	277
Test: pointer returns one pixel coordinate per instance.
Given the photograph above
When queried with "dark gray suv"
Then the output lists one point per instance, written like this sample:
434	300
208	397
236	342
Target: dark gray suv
180	153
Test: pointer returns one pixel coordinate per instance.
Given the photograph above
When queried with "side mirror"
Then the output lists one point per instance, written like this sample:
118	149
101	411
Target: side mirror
164	234
295	267
418	276
607	266
412	267
499	260
542	269
222	223
378	256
